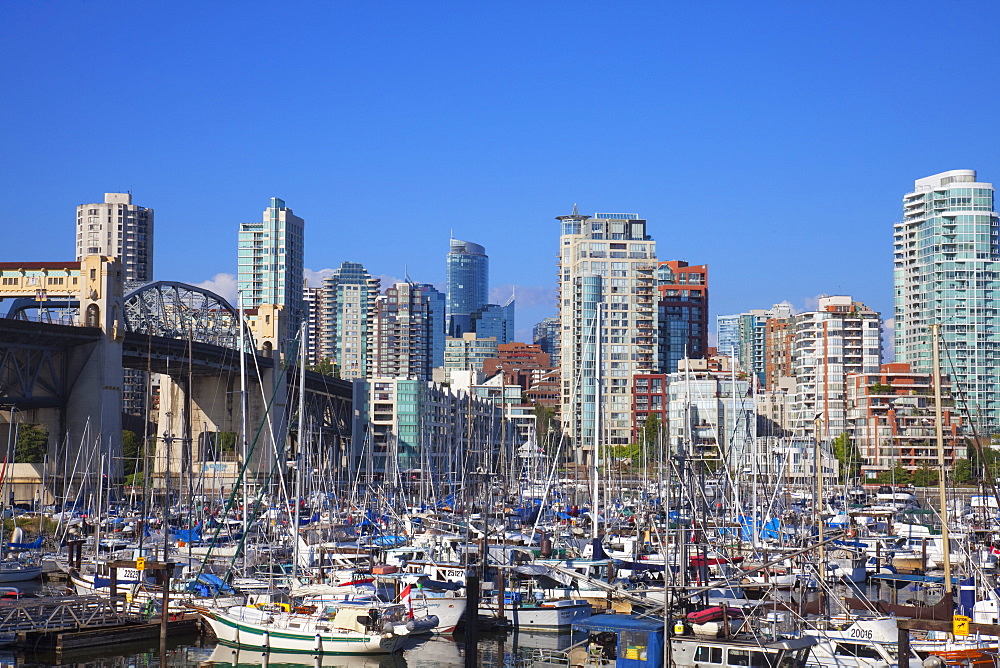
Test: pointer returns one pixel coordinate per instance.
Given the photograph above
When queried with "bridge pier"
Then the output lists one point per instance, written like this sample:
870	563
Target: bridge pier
198	429
68	379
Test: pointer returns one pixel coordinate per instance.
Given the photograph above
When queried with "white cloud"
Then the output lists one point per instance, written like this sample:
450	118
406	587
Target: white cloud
810	304
315	278
223	285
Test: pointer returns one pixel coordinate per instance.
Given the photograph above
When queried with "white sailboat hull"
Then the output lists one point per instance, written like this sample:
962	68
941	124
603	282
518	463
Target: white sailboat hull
552	617
254	629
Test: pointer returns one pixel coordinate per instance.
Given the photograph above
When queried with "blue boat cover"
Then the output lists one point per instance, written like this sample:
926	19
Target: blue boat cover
615	623
189	535
33	545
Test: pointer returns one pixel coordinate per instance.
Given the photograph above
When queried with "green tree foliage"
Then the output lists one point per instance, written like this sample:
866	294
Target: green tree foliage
985	463
546	425
879	388
131	453
848	456
651	432
225	441
32	444
961	472
924	476
326	367
898	476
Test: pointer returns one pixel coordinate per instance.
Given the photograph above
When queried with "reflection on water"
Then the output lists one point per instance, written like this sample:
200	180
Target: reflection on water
493	650
445	652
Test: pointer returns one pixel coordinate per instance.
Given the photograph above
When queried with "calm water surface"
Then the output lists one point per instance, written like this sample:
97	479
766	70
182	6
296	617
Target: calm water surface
494	650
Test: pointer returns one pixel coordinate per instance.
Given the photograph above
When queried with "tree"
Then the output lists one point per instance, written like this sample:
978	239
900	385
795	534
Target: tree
225	441
131	453
326	367
961	472
879	388
985	462
546	424
898	476
651	432
32	444
924	476
848	456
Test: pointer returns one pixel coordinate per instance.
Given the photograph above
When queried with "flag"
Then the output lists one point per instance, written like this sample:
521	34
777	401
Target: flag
994	549
406	599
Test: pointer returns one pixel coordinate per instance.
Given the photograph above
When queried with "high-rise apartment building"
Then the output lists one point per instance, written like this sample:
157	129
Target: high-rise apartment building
683	312
312	301
347	325
745	335
841	337
467	277
891	418
271	264
607	307
546	336
468	351
403	427
727	329
947	272
779	336
409	332
118	228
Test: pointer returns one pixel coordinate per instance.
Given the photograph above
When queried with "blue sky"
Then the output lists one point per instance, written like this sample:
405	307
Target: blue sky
772	141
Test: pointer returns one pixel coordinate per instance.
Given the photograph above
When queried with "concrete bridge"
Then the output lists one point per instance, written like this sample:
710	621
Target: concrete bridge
75	343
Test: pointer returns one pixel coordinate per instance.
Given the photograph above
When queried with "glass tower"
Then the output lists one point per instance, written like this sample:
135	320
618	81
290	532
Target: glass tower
270	263
946	269
467	276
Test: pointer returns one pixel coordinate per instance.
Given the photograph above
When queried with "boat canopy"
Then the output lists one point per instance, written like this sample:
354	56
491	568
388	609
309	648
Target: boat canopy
616	623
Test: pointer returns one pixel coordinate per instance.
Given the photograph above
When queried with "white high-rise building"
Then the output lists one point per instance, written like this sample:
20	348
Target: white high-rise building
947	272
271	263
840	337
607	282
347	326
118	228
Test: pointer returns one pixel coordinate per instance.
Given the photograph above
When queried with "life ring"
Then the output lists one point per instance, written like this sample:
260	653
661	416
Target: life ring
850	533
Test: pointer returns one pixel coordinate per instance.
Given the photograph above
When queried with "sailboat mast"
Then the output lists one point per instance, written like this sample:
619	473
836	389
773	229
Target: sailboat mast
243	423
298	448
939	434
597	422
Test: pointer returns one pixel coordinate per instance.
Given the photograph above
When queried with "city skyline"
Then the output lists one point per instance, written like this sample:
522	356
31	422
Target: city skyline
740	130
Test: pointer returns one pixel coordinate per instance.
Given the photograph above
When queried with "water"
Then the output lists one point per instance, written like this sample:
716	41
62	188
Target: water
510	650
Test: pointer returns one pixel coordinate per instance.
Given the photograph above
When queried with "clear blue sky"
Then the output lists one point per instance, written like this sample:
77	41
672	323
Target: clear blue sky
771	140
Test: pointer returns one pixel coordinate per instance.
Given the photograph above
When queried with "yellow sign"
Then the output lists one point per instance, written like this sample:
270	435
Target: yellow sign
960	625
140	564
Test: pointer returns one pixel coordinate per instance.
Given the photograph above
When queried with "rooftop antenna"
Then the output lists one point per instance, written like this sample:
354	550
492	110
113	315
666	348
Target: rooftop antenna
576	211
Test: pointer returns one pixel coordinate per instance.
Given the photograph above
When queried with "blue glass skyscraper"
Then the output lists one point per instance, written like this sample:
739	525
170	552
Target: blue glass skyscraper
467	276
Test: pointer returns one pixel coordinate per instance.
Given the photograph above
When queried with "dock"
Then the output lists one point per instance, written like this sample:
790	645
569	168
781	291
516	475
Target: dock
70	639
72	622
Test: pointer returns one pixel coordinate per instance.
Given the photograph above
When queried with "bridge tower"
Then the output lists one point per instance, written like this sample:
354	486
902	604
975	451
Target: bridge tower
95	399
